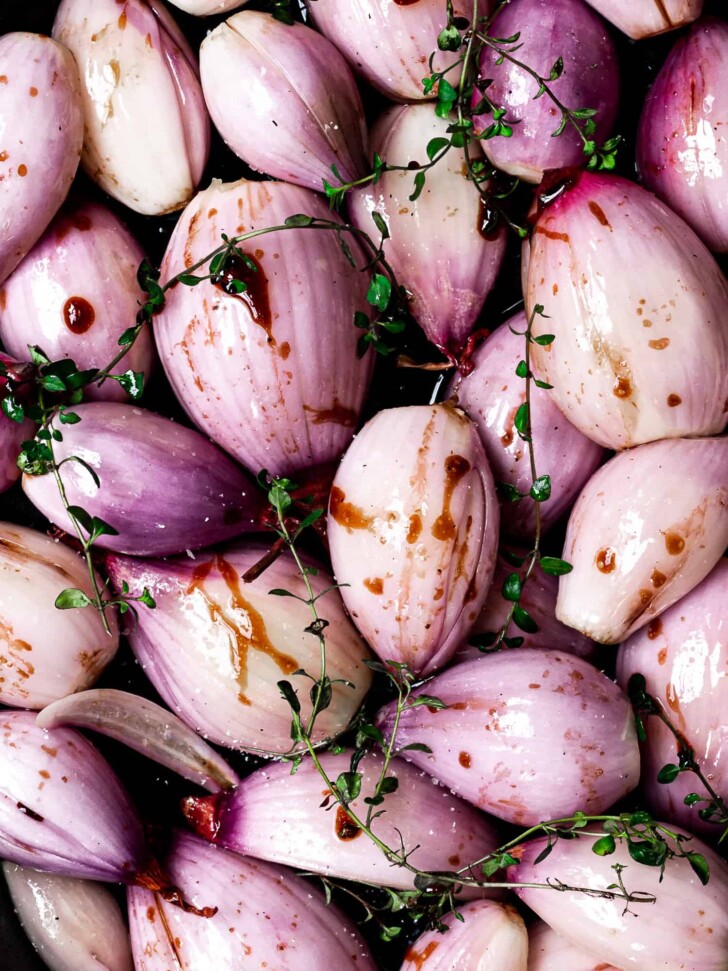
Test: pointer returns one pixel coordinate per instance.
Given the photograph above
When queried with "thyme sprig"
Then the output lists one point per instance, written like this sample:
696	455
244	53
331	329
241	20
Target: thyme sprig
435	894
49	391
385	295
540	492
460	101
713	808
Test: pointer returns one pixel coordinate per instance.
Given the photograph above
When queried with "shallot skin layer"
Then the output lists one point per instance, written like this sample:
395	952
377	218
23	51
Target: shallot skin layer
163	487
646	18
389	42
647	528
272	375
297	110
41	125
265	917
489	936
682	149
685	929
436	242
76	293
216	647
413	528
292	819
146	131
549	29
46	654
62	808
637	306
683	655
527	735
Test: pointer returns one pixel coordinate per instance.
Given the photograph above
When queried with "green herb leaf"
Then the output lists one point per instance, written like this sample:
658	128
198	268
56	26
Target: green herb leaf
416	747
348	785
521	421
435	146
299	221
512	588
541	488
523	620
287	691
498	862
700	866
668	773
522	370
381	225
72	597
380	290
428	700
604	846
545	339
419	186
12	409
648	853
554	567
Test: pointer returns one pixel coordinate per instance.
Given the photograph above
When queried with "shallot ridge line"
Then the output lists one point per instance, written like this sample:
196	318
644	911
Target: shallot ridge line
468	98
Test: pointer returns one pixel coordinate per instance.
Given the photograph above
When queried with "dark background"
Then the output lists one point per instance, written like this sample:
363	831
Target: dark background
157	792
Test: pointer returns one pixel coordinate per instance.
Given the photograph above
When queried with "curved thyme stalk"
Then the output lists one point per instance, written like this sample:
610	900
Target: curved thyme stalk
540	492
715	809
648	842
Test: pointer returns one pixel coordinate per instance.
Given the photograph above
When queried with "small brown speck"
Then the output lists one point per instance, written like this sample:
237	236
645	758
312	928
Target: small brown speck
34	92
622	387
657	578
654	629
673	400
465	760
22	171
606	560
674	543
659	345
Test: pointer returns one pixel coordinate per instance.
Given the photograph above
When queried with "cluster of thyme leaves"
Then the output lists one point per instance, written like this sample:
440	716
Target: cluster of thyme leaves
465	98
434	894
45	391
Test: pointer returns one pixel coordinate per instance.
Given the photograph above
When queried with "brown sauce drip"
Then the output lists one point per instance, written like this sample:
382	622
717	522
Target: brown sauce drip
374	585
551	234
256	295
29	812
662	655
78	315
674	543
596	210
415	528
659	345
622	387
69	221
346	514
418	958
337	414
252	635
657	578
654	628
673	400
284	350
607	560
465	760
346	828
456	467
406	3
